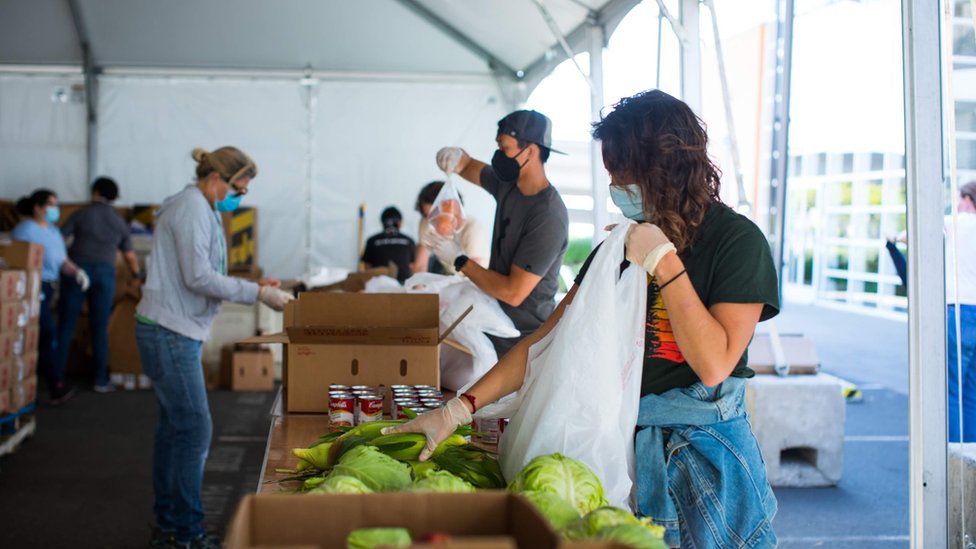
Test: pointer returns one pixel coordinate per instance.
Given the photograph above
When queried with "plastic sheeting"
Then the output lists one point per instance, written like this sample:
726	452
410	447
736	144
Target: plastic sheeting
42	136
372	141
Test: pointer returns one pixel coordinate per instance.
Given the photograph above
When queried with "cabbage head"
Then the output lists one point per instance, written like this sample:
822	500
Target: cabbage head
378	471
559	512
564	476
341	484
633	535
440	481
590	525
368	538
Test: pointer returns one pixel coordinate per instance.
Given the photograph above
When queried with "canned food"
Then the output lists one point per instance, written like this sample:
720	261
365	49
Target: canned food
337	387
490	430
363	388
369	408
425	387
342	409
394	388
430	394
429	403
397	409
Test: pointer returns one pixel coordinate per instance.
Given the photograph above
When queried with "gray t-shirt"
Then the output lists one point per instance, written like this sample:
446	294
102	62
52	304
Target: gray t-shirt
531	232
98	231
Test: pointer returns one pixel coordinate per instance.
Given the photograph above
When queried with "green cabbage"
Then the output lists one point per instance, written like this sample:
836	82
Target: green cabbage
564	476
341	484
559	512
368	538
589	525
378	471
440	481
634	535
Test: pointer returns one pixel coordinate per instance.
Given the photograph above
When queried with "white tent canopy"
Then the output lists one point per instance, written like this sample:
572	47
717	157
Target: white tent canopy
338	102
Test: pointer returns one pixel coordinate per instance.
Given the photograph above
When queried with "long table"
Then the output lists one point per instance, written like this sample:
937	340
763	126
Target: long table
287	431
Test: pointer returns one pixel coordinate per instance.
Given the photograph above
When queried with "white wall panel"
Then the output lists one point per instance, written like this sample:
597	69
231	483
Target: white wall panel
42	141
148	126
376	142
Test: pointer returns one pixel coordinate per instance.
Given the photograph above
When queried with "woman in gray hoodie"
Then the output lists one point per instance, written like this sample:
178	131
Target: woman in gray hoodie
186	283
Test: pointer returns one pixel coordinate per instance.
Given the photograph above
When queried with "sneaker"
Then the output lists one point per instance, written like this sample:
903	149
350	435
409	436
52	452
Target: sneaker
162	539
107	388
204	541
61	393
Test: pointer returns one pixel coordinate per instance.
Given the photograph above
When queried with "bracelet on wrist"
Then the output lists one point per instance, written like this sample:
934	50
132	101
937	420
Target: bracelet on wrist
673	278
471	399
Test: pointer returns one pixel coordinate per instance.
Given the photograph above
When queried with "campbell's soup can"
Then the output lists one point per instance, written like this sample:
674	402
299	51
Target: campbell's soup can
369	408
431	403
396	388
336	388
490	429
342	409
433	395
425	388
363	388
398	407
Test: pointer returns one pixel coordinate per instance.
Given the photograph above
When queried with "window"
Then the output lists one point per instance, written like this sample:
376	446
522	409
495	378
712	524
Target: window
848	160
877	162
965	116
874	226
821	163
965	154
963	40
875	192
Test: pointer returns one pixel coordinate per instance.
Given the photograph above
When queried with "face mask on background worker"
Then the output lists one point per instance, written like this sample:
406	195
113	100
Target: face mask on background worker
507	168
630	200
52	214
230	202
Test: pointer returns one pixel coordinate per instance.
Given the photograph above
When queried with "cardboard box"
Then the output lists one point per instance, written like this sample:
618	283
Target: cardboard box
26	256
13	315
23	393
24	367
325	521
798	351
29	338
9	218
6	374
34	293
5	402
8	344
123	353
356	282
251	370
144	215
241	231
356	339
13	285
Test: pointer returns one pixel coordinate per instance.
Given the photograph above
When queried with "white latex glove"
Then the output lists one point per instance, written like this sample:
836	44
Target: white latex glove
449	158
274	298
436	425
646	245
81	277
446	249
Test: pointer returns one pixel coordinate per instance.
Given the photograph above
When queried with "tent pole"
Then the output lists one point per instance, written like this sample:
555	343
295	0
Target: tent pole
924	172
779	156
597	40
690	36
90	71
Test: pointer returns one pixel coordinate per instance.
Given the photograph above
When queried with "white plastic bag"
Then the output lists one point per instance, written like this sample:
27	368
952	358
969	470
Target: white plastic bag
446	215
581	390
486	317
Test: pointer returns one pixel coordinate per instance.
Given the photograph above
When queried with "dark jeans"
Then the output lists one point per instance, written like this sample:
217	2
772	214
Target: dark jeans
47	351
899	260
100	296
183	429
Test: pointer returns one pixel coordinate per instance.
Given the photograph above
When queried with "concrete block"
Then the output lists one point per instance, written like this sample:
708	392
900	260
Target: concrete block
962	494
799	423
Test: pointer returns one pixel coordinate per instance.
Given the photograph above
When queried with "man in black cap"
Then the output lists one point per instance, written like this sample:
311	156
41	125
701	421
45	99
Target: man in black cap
531	223
391	246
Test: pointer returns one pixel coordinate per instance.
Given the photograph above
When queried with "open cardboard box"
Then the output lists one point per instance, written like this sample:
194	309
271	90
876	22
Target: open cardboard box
356	339
488	520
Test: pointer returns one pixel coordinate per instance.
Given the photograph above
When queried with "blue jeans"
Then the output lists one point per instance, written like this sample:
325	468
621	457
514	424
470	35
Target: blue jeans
967	323
47	343
183	430
100	297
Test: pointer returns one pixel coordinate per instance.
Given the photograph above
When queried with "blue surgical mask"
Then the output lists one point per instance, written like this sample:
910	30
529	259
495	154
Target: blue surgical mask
630	201
52	214
230	203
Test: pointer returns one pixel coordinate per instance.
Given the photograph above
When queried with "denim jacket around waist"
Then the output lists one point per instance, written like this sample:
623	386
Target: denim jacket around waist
697	459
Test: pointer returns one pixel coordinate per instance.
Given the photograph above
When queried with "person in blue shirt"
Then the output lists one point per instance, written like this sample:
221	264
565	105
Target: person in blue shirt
41	213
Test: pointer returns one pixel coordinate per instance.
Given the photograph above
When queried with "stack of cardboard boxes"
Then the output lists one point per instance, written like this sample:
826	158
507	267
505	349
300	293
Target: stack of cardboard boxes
20	302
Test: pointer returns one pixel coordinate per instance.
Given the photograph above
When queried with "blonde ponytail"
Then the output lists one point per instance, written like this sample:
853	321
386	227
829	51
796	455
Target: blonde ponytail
230	163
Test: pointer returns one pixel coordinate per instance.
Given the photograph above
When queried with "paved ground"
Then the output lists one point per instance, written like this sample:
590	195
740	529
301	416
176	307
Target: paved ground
869	508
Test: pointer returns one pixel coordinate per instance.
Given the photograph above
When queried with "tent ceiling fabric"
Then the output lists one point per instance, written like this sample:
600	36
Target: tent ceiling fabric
364	35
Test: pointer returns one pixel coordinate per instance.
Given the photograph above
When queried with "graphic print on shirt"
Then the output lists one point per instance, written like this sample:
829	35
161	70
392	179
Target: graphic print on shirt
660	342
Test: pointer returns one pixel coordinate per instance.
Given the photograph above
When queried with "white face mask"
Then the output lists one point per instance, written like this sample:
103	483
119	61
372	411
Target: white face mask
630	200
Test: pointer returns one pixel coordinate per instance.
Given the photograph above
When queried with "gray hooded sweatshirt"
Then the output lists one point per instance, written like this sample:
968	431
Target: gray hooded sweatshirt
186	279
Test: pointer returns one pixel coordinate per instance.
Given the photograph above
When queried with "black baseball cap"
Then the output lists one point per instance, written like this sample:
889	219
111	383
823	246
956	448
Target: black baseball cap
531	126
391	214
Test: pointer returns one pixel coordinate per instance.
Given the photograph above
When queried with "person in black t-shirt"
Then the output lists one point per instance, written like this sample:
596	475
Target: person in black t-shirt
711	279
391	246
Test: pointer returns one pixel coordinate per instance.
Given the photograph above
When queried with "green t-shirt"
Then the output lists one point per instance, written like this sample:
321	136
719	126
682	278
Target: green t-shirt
729	262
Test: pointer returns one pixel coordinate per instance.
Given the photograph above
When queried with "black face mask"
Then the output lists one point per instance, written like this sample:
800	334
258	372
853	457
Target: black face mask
507	169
